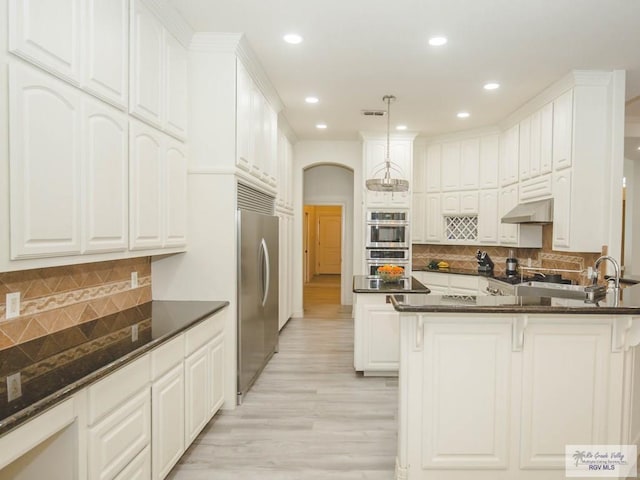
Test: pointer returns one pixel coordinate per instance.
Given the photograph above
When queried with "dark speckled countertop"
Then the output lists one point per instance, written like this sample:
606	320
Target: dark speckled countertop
628	304
455	271
368	284
55	366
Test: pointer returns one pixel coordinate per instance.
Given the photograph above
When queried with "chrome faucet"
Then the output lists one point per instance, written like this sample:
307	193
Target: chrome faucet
616	268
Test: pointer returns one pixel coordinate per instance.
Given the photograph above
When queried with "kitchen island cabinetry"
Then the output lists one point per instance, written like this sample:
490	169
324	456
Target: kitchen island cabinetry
376	324
497	370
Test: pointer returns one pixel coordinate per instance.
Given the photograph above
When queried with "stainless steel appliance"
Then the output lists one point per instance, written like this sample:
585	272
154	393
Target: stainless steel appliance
512	265
387	229
376	257
257	295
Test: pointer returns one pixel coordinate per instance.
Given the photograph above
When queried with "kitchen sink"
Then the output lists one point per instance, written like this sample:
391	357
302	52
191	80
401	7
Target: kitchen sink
591	293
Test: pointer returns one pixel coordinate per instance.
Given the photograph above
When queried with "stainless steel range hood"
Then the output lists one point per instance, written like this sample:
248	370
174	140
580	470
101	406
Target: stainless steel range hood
539	212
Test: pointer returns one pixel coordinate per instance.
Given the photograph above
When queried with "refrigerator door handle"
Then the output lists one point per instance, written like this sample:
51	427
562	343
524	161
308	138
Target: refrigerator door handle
265	271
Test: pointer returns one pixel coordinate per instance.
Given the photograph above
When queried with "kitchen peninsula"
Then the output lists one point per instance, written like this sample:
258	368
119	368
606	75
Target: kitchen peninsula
377	324
495	387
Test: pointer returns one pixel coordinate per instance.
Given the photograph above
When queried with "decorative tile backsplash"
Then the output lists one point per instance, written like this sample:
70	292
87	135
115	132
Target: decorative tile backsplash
53	299
464	257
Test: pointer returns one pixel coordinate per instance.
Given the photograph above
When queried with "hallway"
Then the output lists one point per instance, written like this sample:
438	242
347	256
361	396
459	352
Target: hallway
308	417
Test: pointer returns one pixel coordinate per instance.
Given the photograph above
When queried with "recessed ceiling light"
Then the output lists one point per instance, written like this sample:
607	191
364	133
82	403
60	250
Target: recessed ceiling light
401	127
463	114
491	86
321	126
311	100
437	41
638	148
292	38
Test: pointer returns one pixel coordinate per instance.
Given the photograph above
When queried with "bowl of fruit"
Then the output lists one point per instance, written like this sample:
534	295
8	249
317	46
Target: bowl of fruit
390	273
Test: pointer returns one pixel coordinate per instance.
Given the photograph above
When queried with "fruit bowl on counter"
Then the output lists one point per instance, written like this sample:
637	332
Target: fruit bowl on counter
390	273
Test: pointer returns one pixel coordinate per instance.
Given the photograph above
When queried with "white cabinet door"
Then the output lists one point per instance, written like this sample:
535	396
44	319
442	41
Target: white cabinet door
577	414
418	218
562	209
47	34
524	148
176	67
450	166
469	203
470	164
433	170
489	160
562	130
147	64
508	200
535	144
168	430
488	217
139	468
546	139
196	370
106	42
419	177
382	338
175	194
433	226
119	437
244	118
270	132
106	156
145	177
509	156
401	153
257	132
44	164
216	374
451	203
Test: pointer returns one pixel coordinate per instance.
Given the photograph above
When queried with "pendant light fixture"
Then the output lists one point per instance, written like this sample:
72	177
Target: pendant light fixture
386	183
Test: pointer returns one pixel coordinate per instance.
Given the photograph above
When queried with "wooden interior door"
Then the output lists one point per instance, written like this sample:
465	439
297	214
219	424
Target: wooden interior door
329	251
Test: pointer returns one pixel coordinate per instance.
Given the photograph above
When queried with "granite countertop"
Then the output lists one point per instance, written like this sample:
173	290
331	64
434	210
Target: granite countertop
55	366
368	284
455	271
629	304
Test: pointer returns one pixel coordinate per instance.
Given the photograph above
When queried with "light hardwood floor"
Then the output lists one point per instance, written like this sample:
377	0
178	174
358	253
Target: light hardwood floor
308	417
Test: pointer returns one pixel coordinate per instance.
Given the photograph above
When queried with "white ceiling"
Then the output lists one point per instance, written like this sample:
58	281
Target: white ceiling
356	51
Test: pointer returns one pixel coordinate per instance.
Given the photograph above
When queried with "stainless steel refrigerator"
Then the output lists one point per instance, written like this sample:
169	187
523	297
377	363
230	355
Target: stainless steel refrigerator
257	295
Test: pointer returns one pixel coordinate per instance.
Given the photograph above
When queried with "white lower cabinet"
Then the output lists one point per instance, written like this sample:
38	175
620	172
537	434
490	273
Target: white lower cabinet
216	375
441	283
167	421
117	439
139	468
195	374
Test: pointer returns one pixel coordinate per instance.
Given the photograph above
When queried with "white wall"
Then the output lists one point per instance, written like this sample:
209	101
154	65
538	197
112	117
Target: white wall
313	153
333	185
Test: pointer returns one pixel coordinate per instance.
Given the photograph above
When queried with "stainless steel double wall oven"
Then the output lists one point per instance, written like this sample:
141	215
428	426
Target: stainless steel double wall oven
387	239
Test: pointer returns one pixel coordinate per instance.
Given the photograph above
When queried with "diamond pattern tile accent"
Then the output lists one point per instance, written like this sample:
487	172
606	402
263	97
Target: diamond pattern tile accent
54	299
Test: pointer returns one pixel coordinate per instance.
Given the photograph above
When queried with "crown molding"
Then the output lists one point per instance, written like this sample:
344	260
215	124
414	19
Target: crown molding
461	135
285	128
172	20
215	42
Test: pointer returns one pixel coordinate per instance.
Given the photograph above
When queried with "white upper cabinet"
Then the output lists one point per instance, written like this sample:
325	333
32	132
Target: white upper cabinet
147	64
106	160
488	216
44	164
562	130
175	191
562	209
106	41
401	153
176	62
450	166
509	156
419	182
508	199
470	164
546	139
433	222
145	174
244	118
433	170
47	34
489	159
524	150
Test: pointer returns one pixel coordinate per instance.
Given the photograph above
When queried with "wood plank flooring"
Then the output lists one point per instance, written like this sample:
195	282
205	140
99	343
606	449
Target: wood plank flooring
308	417
322	290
